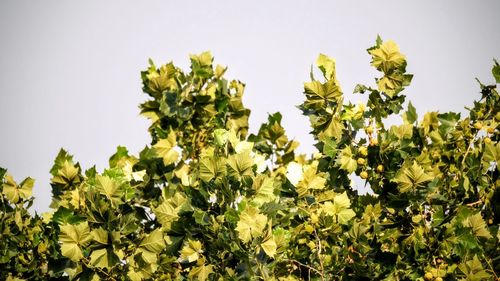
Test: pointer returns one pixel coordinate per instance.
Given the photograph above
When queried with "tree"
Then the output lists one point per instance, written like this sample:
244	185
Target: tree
208	201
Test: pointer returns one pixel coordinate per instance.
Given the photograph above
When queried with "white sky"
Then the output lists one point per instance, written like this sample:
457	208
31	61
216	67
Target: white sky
70	70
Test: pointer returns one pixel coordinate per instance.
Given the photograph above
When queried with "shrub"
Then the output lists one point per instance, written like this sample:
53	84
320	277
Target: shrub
208	201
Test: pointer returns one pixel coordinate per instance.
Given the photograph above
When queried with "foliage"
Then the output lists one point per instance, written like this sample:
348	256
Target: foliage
207	201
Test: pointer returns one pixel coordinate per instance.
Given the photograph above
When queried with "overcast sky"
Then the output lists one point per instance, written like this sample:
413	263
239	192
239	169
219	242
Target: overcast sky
70	70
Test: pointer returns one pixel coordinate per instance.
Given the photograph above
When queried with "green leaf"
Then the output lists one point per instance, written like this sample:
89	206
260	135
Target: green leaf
404	131
478	226
491	154
251	224
73	238
330	147
334	129
410	116
473	270
166	213
328	91
412	177
120	153
61	158
496	71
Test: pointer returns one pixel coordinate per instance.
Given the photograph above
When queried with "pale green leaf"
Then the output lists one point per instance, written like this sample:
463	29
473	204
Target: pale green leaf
251	224
103	258
14	192
327	66
345	160
154	241
240	164
164	148
269	246
73	238
100	235
201	272
478	225
412	177
191	251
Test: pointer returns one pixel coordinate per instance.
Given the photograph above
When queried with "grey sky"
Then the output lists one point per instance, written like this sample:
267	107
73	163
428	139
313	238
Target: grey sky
70	69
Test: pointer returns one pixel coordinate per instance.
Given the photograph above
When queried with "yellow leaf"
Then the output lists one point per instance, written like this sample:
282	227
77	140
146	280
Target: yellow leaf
387	56
191	251
14	192
269	246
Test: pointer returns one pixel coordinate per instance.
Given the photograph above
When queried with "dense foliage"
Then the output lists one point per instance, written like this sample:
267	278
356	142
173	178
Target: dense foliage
209	201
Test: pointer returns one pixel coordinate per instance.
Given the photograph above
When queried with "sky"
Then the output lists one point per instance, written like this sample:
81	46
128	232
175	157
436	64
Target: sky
70	70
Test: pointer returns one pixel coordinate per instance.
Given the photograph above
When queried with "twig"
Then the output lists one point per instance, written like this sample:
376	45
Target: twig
305	265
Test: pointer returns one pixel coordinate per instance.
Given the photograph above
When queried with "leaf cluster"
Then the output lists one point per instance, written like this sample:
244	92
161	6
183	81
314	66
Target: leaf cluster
205	200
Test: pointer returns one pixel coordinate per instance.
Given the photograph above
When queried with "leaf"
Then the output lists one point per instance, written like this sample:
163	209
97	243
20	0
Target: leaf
330	147
345	160
410	116
496	71
264	190
412	177
164	148
241	164
130	174
404	131
311	180
191	251
210	168
14	192
251	224
327	66
67	174
491	154
109	188
60	160
100	235
328	91
339	209
73	238
103	258
387	56
473	270
201	272
334	129
221	136
121	152
478	226
269	246
166	214
154	241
